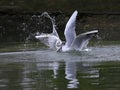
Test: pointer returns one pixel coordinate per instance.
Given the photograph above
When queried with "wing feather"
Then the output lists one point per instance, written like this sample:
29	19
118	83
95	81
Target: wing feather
82	40
69	32
44	38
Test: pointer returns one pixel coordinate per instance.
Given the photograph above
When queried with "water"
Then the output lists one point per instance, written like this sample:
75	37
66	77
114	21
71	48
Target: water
39	68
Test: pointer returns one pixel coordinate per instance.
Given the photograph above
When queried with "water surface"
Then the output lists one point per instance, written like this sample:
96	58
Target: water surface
36	68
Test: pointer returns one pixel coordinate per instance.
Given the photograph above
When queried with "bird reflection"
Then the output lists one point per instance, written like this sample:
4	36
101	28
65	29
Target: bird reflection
70	71
55	69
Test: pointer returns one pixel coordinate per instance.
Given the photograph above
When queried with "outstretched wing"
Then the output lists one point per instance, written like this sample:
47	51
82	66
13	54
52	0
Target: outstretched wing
49	40
44	38
69	32
82	40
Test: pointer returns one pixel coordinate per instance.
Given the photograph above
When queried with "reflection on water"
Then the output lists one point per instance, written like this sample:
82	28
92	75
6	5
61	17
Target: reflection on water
48	70
70	71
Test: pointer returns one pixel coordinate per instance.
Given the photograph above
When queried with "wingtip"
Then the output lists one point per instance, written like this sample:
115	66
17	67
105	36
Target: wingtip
76	11
36	37
90	32
96	30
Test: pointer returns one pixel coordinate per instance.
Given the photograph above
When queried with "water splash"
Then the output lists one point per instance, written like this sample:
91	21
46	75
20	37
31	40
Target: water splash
38	24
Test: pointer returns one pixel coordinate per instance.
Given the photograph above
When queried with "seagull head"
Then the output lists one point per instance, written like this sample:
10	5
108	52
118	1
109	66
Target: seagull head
60	45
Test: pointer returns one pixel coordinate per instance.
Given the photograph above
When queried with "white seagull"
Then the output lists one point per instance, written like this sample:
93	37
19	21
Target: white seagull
73	42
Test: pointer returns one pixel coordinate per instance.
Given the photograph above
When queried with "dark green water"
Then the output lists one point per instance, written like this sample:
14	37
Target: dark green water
26	67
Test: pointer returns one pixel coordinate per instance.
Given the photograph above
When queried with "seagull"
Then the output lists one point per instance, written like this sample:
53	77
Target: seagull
73	41
51	40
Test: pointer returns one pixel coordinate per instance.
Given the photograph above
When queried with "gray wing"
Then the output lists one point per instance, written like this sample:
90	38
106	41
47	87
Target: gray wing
69	32
82	40
49	40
